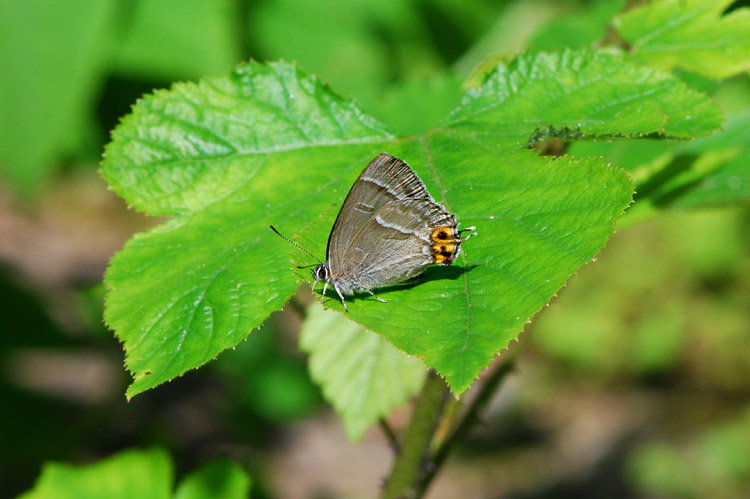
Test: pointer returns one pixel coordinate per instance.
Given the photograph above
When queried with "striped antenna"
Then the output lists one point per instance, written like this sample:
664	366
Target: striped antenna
293	243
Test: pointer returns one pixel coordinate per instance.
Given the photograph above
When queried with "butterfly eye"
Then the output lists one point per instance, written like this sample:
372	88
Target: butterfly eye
320	273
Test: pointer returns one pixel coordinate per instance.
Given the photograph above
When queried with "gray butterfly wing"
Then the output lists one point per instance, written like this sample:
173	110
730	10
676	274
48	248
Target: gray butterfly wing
395	243
384	180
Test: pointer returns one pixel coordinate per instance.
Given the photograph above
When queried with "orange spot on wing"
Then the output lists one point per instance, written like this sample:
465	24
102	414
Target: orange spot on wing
443	233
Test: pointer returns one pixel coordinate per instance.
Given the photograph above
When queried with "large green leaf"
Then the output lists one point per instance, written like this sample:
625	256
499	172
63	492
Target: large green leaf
692	34
269	145
361	375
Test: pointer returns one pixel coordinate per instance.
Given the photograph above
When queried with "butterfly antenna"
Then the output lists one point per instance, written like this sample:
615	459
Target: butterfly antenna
293	243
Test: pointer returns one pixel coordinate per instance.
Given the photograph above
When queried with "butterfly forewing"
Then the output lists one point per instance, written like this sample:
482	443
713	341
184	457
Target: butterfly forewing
374	187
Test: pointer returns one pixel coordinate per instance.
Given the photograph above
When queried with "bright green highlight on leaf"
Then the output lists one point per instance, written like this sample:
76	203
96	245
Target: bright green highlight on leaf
185	149
128	474
361	375
138	473
271	145
691	34
220	479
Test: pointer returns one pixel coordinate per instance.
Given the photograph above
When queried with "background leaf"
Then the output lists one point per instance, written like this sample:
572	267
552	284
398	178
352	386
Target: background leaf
47	94
709	171
138	473
382	39
269	145
692	34
580	29
417	106
707	464
128	474
361	375
725	160
572	95
220	479
207	31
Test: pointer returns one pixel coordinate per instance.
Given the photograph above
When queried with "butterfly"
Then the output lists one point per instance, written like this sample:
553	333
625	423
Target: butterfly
388	230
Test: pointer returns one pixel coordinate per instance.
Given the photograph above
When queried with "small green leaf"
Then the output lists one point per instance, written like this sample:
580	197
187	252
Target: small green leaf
691	34
270	145
571	95
220	479
128	474
724	160
362	376
710	171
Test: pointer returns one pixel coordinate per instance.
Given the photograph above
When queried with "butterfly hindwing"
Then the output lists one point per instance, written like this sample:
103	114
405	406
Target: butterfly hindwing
395	244
384	180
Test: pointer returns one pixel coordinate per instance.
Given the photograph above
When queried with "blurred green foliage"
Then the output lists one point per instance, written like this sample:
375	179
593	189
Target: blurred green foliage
679	305
662	314
710	463
135	473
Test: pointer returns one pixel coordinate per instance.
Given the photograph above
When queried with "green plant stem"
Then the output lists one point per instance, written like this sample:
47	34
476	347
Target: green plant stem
412	463
390	435
471	417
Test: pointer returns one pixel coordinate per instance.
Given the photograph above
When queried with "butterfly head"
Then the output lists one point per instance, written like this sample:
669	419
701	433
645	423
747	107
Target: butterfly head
320	272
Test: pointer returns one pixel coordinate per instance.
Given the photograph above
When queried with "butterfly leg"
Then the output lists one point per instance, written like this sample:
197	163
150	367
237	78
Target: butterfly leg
467	229
343	302
325	286
375	296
